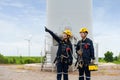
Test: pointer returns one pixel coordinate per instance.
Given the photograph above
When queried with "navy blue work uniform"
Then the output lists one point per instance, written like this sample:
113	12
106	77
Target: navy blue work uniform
63	57
87	55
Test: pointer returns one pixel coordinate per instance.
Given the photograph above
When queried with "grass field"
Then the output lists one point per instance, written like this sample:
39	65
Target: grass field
22	59
101	60
35	59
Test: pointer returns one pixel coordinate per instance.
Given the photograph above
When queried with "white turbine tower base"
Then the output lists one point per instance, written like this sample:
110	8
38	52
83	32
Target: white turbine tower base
72	14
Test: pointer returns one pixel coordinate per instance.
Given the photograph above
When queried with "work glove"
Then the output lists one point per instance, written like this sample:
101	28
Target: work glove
46	29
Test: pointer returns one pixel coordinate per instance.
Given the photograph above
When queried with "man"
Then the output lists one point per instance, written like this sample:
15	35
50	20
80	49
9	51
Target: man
85	53
64	53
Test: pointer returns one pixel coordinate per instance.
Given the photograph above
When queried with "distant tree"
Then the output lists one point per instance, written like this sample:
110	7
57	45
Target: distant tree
108	56
119	56
115	58
3	60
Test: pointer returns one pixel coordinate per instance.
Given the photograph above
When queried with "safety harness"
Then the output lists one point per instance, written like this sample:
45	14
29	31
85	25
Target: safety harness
64	56
80	61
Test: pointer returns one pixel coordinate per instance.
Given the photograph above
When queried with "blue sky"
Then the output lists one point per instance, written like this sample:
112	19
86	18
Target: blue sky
106	25
18	20
21	18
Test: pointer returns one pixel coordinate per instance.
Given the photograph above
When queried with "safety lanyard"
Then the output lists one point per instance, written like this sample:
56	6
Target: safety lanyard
80	59
62	56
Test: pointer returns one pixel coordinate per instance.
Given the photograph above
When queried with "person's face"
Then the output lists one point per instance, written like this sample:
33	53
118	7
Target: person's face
83	35
65	36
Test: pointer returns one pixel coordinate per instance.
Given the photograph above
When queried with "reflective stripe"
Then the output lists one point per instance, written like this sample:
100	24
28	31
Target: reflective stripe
81	76
65	73
88	77
60	73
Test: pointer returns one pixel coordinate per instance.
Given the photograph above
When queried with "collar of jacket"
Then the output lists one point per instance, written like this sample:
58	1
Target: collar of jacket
84	39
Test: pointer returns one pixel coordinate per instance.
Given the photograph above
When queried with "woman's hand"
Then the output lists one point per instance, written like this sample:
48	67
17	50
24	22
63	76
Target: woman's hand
46	29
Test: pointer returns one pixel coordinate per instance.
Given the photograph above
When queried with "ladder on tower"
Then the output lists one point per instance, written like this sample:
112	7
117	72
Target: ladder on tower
47	63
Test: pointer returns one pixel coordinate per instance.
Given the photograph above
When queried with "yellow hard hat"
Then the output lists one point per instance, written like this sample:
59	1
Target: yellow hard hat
68	32
83	30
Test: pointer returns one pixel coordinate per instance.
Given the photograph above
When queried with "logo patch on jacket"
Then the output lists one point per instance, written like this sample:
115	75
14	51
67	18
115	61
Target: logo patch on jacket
86	46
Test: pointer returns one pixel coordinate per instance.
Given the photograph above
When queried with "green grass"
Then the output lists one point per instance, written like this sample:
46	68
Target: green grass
116	62
101	60
22	59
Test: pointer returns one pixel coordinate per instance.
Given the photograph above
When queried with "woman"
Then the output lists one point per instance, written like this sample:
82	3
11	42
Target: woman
64	53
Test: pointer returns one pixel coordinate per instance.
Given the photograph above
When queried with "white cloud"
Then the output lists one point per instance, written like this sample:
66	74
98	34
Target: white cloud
12	38
15	28
10	48
106	28
108	42
11	3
